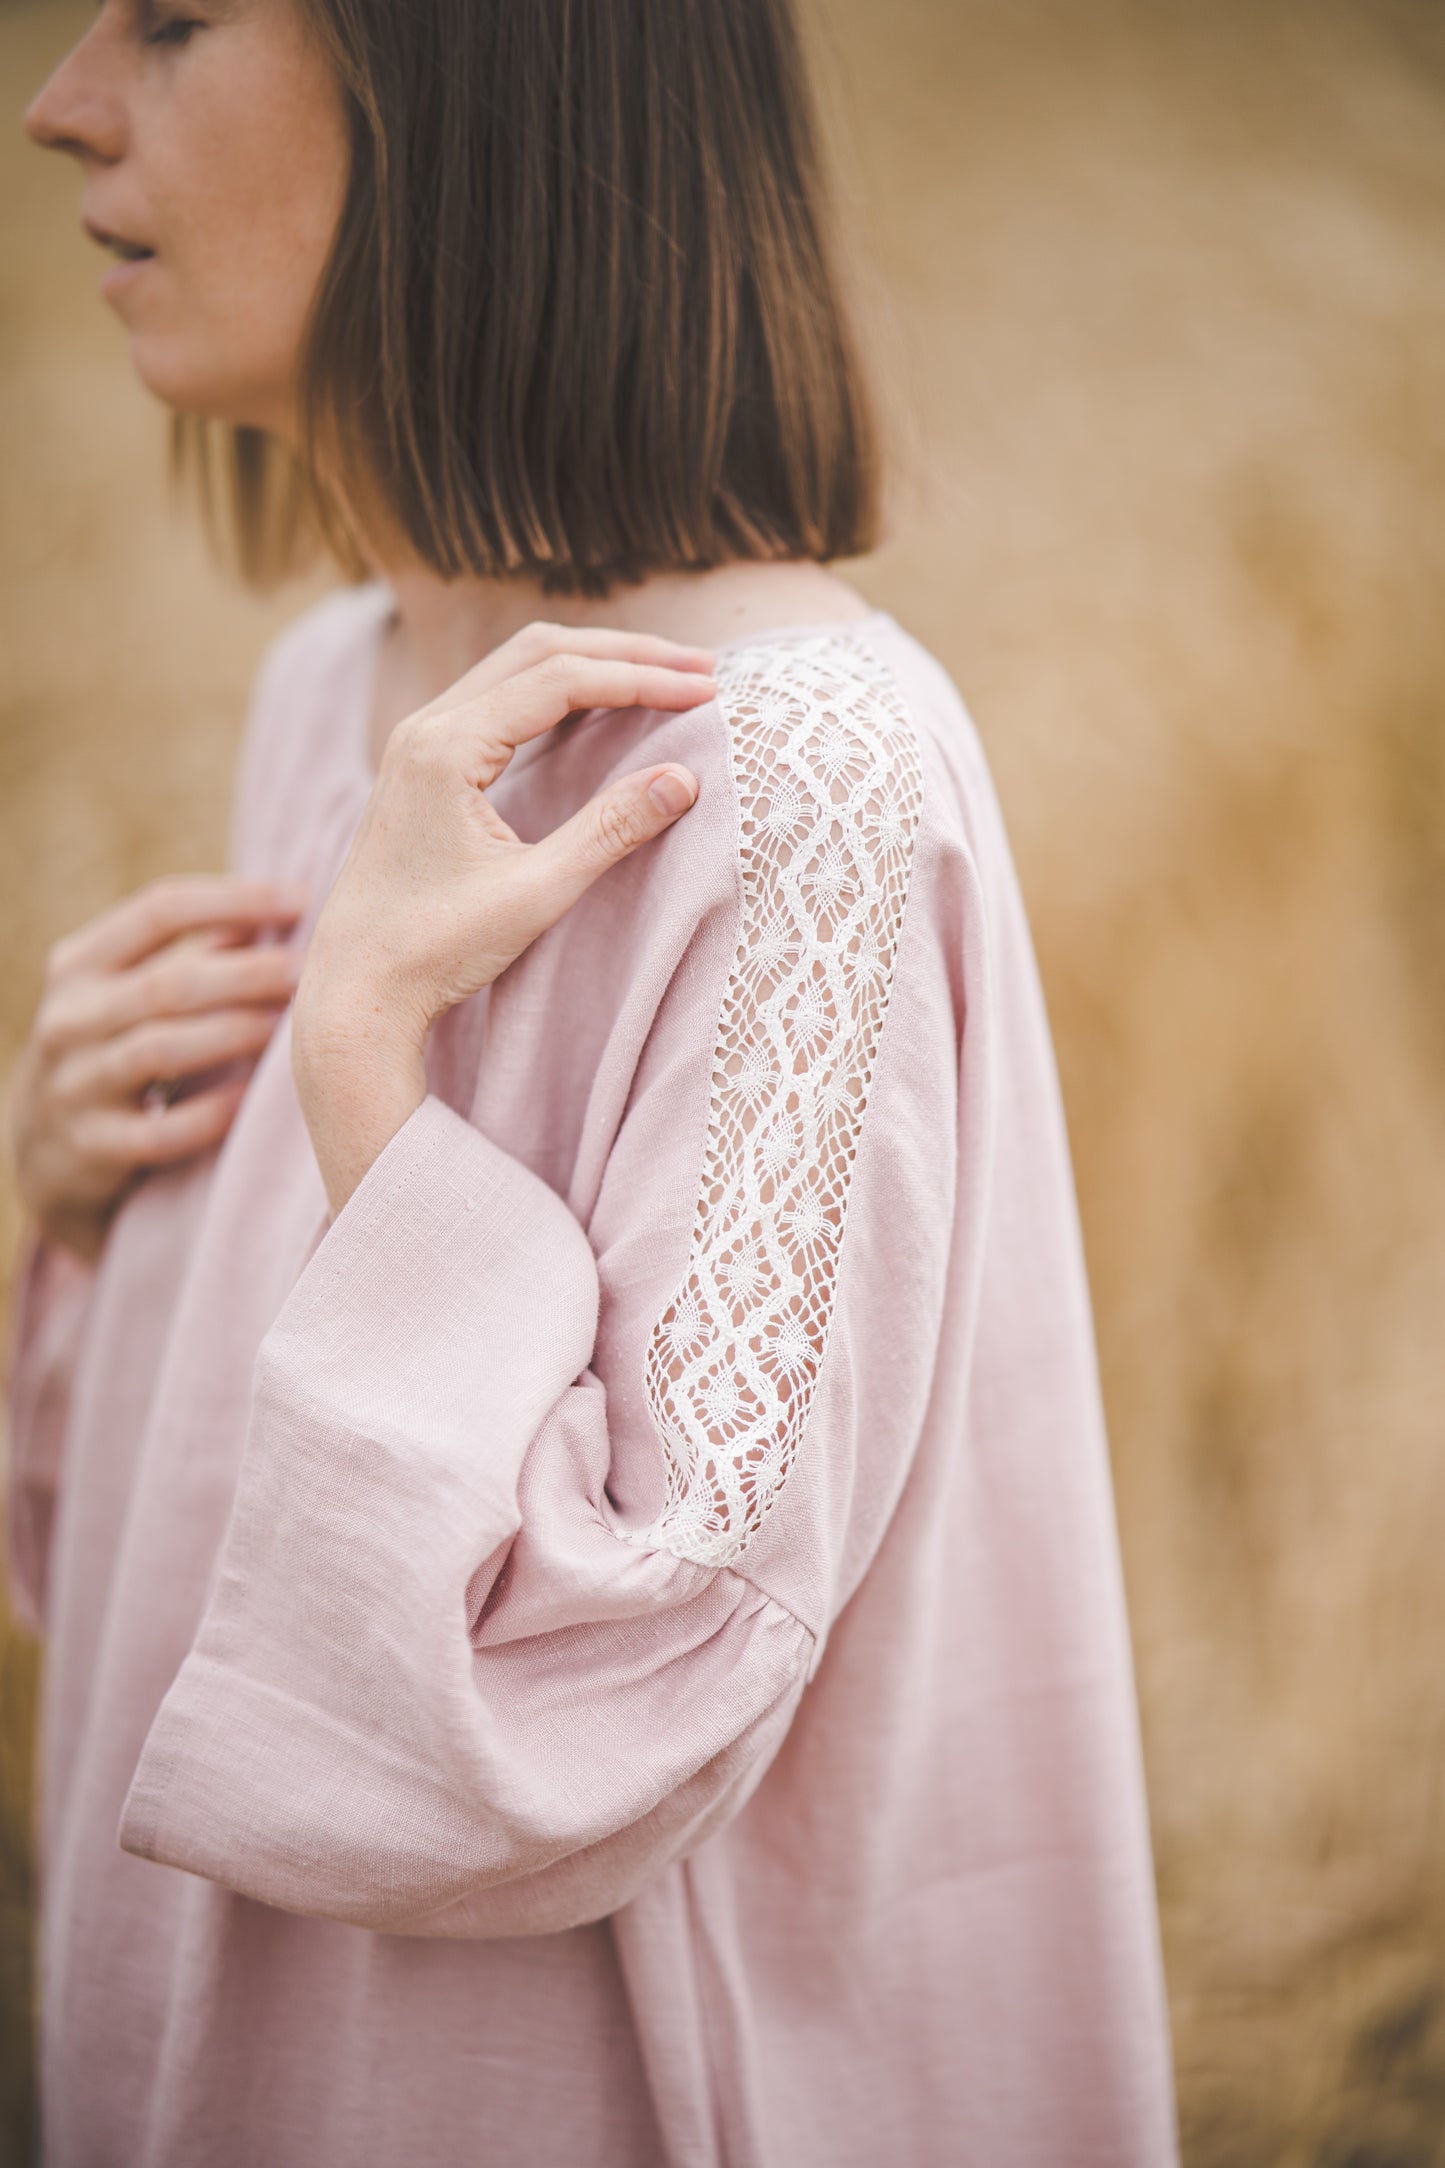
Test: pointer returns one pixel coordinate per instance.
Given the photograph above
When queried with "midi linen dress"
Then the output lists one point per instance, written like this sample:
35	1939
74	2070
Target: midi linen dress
609	1652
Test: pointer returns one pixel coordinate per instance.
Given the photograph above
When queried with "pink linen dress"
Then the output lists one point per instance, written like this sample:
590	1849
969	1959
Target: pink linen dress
611	1651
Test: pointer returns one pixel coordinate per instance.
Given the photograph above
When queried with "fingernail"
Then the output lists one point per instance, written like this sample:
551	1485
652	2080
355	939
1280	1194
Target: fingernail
669	791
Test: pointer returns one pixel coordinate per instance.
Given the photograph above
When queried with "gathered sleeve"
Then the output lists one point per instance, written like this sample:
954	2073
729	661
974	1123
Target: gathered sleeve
50	1307
540	1526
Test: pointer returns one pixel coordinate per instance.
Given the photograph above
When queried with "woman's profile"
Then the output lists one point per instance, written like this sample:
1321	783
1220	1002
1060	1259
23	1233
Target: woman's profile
557	1449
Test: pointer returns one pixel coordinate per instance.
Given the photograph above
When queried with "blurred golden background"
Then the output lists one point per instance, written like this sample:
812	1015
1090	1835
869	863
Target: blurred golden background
1158	294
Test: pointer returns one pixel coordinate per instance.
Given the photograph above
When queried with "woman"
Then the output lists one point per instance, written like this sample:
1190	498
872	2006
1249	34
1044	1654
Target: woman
561	1469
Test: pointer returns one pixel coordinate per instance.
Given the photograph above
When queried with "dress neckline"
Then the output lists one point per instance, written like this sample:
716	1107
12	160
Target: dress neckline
381	602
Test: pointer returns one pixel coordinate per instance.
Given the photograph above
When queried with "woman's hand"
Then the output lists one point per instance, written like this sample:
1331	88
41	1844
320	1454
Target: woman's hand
438	895
156	991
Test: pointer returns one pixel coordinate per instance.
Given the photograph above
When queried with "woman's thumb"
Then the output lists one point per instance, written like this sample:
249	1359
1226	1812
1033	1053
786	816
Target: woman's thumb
606	829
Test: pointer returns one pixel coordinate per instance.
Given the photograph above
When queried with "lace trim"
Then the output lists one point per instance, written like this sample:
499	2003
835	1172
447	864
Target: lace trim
830	782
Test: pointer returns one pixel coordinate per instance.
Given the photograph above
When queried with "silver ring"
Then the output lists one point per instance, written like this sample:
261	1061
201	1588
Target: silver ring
158	1095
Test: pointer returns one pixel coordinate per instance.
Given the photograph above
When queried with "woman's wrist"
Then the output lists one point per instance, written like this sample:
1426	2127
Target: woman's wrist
360	1074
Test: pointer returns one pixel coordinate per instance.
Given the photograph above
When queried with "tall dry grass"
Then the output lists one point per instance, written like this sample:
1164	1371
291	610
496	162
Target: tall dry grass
1160	296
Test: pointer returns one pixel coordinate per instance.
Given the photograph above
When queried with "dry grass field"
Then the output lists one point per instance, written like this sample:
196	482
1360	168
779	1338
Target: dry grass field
1158	292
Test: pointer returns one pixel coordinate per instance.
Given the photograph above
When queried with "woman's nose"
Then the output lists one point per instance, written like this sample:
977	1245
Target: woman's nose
80	108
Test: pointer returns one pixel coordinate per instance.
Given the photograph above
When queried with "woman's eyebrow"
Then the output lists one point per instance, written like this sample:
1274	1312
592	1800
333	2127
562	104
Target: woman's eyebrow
207	11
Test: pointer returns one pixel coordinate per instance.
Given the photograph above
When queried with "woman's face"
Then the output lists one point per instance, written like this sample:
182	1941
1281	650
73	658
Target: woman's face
212	140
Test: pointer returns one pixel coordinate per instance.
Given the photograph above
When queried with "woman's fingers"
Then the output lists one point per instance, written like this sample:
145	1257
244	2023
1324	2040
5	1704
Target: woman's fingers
539	642
182	982
158	913
533	701
171	984
219	937
129	1140
536	700
554	873
167	1049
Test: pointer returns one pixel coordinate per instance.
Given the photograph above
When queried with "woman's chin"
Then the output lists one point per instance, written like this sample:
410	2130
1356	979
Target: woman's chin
188	385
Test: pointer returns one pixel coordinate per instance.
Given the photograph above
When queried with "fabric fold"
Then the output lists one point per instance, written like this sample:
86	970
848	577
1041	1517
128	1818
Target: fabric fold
51	1301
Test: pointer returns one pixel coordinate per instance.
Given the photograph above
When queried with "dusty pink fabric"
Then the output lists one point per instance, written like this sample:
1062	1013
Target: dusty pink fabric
416	1787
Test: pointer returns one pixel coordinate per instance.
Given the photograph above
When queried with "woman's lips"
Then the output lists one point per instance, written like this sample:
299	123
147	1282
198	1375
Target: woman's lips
125	273
132	255
120	244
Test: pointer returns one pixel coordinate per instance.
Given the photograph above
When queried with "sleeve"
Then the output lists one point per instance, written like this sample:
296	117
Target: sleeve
532	1545
51	1303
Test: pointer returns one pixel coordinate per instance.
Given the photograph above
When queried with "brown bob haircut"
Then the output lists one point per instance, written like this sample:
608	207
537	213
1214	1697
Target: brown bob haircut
580	318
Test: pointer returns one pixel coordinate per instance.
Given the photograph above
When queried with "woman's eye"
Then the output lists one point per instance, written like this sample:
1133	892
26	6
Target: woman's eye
177	31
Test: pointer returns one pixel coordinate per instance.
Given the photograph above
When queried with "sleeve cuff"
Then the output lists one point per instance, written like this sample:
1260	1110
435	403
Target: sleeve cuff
450	1268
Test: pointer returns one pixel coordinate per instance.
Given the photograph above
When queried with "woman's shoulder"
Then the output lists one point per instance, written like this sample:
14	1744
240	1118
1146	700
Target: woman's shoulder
864	795
859	791
849	712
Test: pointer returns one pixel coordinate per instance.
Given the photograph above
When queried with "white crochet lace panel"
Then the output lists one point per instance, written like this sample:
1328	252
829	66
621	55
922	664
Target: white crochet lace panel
830	783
